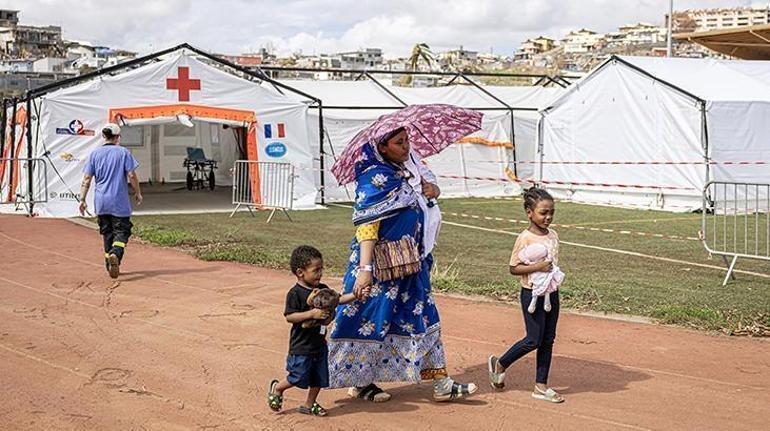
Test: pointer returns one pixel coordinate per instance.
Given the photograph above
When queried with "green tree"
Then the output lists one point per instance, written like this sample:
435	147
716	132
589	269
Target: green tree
420	51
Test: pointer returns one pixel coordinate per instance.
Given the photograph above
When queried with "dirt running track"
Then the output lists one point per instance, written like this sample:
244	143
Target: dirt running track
182	344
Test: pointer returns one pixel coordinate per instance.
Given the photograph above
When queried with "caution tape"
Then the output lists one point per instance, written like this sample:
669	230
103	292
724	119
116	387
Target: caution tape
652	163
570	183
584	228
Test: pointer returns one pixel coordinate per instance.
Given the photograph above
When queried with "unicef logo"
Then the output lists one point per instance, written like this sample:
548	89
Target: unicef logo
76	126
276	149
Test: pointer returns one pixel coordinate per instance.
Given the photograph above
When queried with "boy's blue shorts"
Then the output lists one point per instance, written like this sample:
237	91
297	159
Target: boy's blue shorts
309	371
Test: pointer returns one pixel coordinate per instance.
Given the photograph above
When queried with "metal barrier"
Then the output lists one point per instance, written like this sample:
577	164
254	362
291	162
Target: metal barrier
736	221
32	173
264	186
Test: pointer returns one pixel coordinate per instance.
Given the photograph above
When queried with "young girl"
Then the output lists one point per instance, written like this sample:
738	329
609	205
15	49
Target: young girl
540	325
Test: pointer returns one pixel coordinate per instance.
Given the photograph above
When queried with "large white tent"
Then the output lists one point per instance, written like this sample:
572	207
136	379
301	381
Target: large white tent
350	106
200	104
670	123
183	97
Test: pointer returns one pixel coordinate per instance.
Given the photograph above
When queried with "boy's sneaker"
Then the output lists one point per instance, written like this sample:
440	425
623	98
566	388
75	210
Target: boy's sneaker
113	265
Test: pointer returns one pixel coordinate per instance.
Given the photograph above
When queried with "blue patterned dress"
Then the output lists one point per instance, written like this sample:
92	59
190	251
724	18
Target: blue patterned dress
394	336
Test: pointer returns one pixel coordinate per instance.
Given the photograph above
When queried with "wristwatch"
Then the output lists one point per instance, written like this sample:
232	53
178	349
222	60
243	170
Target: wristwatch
365	268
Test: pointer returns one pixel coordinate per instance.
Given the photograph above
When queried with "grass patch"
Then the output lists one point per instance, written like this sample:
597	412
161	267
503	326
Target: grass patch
474	262
244	254
163	236
699	317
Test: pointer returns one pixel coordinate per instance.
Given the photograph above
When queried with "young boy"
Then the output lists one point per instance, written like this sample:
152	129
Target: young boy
307	362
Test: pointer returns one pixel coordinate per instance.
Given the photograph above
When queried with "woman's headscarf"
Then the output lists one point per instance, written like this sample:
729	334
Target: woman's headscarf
381	188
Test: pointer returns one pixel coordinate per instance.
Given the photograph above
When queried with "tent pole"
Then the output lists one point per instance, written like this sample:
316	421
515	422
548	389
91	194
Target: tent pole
30	164
513	147
384	88
452	80
540	144
321	150
13	150
464	170
4	119
704	136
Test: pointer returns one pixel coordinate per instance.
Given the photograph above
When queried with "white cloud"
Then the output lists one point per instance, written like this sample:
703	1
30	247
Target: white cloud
233	26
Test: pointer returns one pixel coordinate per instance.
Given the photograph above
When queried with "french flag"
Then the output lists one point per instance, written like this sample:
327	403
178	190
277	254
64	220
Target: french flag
278	128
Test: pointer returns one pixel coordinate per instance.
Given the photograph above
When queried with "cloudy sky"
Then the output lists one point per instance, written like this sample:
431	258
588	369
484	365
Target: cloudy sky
311	26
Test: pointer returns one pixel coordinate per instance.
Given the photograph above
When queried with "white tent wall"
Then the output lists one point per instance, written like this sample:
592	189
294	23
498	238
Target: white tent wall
468	160
644	109
88	105
739	132
450	162
620	115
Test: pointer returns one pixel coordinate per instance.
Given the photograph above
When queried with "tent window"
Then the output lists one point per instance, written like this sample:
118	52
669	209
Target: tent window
132	137
177	130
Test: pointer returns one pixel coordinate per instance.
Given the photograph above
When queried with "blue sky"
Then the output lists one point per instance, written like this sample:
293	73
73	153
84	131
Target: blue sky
310	26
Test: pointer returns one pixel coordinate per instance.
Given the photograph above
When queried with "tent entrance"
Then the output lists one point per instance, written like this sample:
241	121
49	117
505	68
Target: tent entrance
159	138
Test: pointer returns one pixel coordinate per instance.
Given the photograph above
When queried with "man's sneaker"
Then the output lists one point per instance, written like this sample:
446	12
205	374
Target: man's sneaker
113	265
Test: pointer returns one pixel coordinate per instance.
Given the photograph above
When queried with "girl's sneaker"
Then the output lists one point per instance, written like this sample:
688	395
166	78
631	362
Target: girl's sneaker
547	395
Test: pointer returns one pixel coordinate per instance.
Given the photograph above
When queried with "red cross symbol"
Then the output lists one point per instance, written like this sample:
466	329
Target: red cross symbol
183	83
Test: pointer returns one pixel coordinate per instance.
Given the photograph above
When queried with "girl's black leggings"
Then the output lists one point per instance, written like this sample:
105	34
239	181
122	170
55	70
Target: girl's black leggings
541	332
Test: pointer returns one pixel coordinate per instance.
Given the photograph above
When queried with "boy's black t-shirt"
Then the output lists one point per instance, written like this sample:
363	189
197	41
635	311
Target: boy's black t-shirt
303	341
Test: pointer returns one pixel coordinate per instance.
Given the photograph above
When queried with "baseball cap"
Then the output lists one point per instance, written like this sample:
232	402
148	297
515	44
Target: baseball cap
113	128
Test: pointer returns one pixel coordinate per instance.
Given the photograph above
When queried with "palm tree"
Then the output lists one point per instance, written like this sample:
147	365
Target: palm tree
420	51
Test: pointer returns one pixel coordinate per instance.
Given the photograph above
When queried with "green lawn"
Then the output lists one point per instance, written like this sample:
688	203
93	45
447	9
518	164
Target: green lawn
471	261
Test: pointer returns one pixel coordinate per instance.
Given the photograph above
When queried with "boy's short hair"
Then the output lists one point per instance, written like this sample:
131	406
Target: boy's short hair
302	256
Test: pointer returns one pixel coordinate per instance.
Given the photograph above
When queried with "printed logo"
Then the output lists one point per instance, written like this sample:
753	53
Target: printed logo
276	149
65	196
68	157
75	127
279	129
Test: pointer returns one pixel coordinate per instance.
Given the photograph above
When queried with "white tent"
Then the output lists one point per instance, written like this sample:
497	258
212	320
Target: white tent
351	106
672	123
199	103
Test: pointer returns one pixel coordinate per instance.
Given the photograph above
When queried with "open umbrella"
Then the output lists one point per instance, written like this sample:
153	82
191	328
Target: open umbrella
430	129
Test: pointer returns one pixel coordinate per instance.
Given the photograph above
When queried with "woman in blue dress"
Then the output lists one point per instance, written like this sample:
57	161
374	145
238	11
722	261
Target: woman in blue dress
393	333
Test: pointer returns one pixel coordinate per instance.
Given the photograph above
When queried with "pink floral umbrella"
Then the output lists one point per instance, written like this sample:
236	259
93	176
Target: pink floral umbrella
430	129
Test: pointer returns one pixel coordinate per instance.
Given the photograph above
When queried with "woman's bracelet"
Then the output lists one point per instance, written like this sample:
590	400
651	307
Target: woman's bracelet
365	268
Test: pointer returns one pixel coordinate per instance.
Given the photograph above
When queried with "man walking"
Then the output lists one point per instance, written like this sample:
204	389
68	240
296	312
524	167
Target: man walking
110	164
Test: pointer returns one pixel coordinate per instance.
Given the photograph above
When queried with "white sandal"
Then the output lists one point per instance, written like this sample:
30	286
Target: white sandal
497	380
548	395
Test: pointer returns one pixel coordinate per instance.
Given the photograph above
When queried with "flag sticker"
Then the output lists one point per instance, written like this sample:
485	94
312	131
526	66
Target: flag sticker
279	129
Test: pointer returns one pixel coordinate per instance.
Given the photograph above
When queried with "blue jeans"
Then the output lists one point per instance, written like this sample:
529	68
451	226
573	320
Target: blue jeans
309	371
541	333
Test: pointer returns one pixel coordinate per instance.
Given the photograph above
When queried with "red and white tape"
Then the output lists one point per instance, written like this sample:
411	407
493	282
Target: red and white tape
570	183
655	163
585	228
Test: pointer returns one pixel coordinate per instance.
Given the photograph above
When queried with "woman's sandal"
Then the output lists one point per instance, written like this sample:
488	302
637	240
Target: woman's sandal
458	391
370	392
497	380
548	395
274	401
314	410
